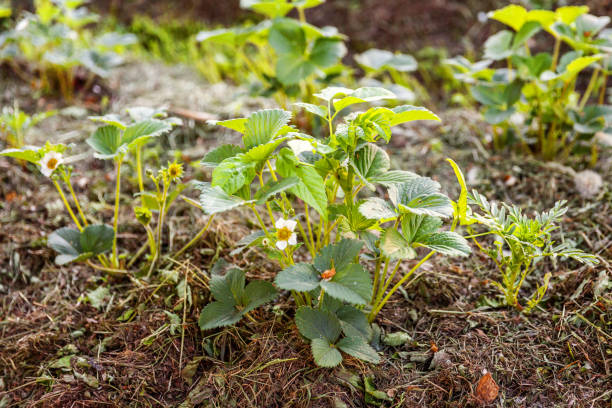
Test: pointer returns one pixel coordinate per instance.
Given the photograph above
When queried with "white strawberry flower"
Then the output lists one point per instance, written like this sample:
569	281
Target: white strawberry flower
284	233
50	162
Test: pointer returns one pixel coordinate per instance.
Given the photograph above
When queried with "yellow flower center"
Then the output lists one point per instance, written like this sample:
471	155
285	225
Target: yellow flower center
52	163
283	234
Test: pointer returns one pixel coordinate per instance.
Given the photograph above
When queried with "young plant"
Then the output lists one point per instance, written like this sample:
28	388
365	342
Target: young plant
521	243
57	43
284	53
533	98
313	192
117	140
15	124
394	70
73	245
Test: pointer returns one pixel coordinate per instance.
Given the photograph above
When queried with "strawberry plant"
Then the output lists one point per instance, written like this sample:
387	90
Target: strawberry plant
120	141
56	42
15	124
318	199
531	97
284	54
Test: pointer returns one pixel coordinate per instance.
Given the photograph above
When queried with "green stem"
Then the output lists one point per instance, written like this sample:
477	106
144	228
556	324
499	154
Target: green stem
399	284
67	205
388	281
116	214
162	215
196	238
75	199
139	168
376	278
383	279
259	219
590	87
556	53
309	225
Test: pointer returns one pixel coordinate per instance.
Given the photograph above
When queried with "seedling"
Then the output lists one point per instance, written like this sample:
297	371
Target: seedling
15	124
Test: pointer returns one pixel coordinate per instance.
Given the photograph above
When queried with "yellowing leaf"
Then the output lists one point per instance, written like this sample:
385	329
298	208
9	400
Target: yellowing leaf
512	15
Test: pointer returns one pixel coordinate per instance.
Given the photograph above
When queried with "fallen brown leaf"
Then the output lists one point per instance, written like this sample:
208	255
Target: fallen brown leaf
487	389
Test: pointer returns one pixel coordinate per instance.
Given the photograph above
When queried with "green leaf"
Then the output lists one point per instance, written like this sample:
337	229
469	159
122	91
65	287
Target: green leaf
291	69
261	153
214	200
262	126
324	353
228	288
301	277
110	119
311	187
317	324
353	321
218	314
352	284
448	243
409	113
342	253
375	208
358	348
233	173
140	132
327	52
287	37
495	115
487	95
512	15
393	177
395	246
416	228
318	110
370	161
106	142
333	92
498	46
97	239
256	294
75	246
361	95
269	8
376	60
421	196
28	153
528	30
218	154
272	188
234	124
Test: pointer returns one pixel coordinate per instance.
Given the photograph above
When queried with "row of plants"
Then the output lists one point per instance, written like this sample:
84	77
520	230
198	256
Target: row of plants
534	97
52	46
346	230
